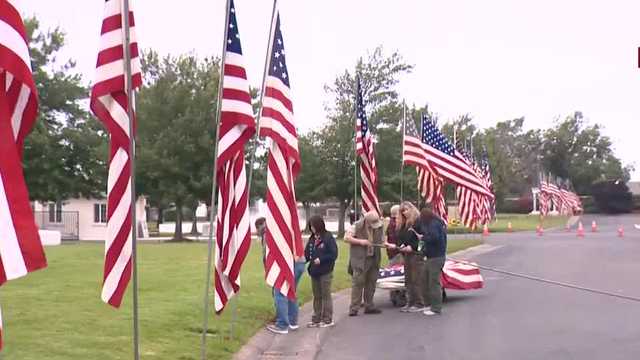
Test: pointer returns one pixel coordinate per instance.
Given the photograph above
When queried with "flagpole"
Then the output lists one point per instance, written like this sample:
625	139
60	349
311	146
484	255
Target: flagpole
234	304
132	153
213	207
355	151
404	121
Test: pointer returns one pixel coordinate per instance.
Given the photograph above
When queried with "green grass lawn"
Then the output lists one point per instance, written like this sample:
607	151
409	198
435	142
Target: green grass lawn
57	314
519	222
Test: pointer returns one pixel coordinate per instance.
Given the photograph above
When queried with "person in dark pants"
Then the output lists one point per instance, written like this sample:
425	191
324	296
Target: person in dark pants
435	251
365	237
392	232
321	253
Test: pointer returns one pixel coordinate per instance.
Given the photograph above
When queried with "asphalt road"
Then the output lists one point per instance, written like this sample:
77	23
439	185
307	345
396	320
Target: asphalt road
513	318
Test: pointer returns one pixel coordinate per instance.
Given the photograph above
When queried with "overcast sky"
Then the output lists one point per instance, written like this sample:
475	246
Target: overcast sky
494	59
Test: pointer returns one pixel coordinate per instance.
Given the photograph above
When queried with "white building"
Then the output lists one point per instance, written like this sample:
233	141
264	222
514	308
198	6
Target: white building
81	219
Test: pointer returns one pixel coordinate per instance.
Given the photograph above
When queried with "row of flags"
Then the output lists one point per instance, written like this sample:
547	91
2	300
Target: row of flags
558	193
21	250
438	161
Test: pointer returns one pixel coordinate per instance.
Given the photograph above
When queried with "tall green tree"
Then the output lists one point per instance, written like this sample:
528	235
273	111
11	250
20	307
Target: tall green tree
379	76
575	150
65	155
176	133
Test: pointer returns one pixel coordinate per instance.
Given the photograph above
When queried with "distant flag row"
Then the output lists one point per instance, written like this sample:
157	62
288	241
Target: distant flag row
437	161
557	193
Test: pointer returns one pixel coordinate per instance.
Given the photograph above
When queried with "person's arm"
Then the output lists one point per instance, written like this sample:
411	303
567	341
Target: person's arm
307	251
350	238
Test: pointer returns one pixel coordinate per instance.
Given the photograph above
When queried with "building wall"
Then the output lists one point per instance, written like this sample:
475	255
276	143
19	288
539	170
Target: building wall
88	229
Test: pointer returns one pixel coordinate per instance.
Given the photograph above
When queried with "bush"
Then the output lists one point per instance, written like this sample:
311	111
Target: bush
522	205
612	197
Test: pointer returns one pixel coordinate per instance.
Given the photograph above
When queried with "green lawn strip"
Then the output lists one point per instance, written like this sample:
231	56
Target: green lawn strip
519	222
57	313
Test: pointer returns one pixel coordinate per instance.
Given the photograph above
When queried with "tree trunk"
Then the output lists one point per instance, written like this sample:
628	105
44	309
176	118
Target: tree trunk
307	213
194	223
177	236
160	215
341	216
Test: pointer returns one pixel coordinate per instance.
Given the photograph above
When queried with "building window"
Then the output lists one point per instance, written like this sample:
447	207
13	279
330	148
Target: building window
55	212
100	213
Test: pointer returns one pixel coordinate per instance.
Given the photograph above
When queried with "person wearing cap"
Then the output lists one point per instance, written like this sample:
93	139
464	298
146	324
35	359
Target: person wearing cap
366	236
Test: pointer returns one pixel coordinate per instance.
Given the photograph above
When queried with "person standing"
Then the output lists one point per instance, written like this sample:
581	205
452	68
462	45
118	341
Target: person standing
408	244
435	251
365	237
321	253
392	232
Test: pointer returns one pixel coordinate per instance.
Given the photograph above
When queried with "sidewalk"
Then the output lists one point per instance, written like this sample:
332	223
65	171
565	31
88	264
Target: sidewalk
305	343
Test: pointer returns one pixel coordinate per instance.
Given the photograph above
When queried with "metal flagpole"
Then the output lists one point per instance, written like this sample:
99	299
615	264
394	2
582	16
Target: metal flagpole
132	154
213	207
355	149
234	304
404	120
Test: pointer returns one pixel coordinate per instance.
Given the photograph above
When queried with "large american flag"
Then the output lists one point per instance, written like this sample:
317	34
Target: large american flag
282	238
237	126
21	251
448	162
469	201
365	150
430	185
109	102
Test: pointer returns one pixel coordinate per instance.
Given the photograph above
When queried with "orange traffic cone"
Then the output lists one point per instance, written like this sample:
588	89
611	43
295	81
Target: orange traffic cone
620	231
594	226
580	229
509	227
485	230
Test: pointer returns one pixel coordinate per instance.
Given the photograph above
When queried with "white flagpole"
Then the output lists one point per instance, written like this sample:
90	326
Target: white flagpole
404	121
132	153
355	151
213	207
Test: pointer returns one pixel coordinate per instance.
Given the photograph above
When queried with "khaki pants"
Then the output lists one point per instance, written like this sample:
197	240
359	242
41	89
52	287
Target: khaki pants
322	303
363	283
433	288
414	279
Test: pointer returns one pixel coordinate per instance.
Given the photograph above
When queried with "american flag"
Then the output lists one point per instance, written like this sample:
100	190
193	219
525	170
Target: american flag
469	201
237	126
455	275
282	238
365	150
21	251
448	162
109	102
544	197
430	184
489	204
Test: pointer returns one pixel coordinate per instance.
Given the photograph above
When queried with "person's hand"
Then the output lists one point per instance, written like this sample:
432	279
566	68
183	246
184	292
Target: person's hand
390	246
405	249
365	243
316	261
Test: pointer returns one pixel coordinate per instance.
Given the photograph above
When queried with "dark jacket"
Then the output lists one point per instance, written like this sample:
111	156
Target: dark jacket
435	238
408	237
325	249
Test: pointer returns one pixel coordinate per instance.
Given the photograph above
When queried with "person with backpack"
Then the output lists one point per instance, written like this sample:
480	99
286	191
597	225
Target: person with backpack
434	248
321	253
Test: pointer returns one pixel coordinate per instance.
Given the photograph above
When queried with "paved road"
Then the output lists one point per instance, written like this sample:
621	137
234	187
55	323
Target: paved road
515	318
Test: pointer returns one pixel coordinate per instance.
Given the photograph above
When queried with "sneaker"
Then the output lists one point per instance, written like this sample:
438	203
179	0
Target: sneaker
372	311
313	324
353	313
294	327
416	309
405	308
430	313
327	324
276	330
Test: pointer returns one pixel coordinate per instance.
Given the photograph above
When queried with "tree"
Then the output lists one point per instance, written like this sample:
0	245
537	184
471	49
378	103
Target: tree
176	108
580	152
310	182
612	196
65	155
379	75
